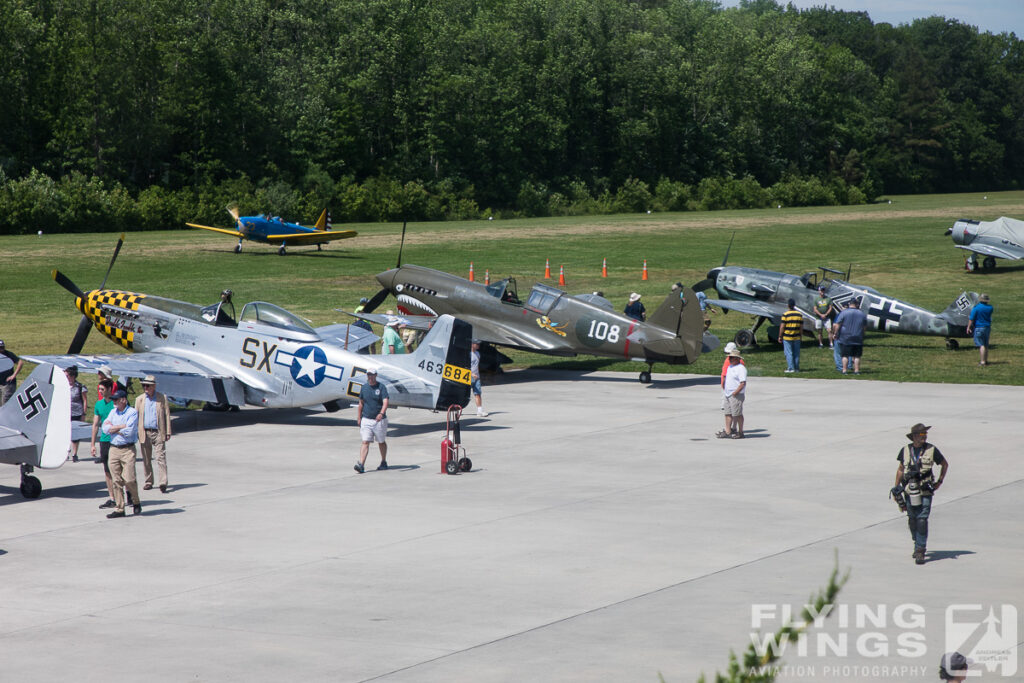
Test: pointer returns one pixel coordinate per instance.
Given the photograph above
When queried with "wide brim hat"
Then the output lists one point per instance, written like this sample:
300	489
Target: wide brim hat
919	428
148	379
634	297
735	353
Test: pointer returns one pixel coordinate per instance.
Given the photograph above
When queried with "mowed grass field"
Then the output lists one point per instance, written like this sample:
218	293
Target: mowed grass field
898	248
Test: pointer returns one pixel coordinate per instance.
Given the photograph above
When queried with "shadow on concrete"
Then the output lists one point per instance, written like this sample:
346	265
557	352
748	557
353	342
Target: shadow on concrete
96	489
188	421
934	555
153	513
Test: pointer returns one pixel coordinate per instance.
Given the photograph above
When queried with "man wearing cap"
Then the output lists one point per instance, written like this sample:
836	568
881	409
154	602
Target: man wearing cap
848	334
106	372
953	667
391	341
155	430
823	315
122	425
980	325
734	391
634	309
729	348
10	366
916	461
790	331
373	419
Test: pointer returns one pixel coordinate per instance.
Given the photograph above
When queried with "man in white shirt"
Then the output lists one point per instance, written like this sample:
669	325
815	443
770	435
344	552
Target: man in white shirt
735	392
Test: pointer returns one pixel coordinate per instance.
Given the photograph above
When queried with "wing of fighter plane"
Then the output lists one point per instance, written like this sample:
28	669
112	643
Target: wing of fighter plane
176	376
993	250
484	329
226	231
312	237
35	426
764	309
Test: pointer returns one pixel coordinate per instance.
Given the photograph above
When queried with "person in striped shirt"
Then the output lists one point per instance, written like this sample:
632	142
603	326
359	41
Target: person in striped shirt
790	331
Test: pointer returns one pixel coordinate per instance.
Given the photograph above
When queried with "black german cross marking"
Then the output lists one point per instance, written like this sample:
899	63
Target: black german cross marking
885	314
31	401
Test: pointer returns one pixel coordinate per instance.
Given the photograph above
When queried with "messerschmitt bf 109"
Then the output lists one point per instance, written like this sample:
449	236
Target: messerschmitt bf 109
1001	238
35	426
269	357
765	293
272	230
549	321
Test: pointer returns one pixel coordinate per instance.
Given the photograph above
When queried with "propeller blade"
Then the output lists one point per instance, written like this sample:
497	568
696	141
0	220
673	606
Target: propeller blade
706	283
376	301
400	246
67	284
84	326
233	210
113	258
727	249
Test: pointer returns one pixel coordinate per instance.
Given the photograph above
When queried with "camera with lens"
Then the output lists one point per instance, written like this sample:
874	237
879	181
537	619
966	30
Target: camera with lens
896	493
915	485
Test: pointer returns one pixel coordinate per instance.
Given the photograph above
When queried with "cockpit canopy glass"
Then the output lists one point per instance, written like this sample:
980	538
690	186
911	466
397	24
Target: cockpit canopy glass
275	316
542	298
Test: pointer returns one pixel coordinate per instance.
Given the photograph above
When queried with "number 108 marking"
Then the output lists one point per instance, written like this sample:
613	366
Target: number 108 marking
603	331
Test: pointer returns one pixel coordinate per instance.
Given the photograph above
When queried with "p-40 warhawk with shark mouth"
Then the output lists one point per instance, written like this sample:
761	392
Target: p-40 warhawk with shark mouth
549	321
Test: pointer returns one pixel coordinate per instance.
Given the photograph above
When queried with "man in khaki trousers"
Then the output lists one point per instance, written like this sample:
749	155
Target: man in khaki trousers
154	431
122	425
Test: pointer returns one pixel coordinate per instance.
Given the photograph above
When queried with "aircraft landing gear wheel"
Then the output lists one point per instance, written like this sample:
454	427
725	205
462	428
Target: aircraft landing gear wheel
451	467
744	338
989	263
645	377
952	344
465	464
238	248
280	251
30	487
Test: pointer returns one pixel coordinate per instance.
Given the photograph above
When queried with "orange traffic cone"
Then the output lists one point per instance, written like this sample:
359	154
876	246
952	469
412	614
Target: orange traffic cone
547	269
561	275
642	277
472	279
604	267
487	276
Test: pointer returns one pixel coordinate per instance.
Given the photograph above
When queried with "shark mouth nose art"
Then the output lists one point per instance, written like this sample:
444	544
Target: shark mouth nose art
414	303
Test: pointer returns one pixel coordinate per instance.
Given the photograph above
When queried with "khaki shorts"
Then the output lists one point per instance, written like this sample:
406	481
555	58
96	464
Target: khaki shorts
371	430
818	323
734	405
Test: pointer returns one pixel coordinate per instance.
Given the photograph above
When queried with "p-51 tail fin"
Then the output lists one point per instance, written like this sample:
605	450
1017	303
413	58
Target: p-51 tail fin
35	425
441	361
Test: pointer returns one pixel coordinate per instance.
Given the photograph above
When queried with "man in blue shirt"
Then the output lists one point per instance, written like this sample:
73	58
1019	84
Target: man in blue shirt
848	330
122	424
981	325
373	419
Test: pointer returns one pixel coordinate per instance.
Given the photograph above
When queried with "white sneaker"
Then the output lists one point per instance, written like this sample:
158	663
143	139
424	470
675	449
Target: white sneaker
480	412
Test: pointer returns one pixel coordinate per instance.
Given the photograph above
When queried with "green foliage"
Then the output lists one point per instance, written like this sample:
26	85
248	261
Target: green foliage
760	668
382	108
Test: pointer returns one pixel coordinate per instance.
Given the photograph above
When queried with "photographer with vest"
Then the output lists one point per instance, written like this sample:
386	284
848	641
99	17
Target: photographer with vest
915	479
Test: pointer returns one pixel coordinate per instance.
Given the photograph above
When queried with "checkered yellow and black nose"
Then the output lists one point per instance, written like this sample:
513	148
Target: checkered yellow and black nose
113	312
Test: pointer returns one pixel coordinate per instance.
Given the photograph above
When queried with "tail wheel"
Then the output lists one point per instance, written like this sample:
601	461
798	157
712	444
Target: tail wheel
465	464
30	487
744	338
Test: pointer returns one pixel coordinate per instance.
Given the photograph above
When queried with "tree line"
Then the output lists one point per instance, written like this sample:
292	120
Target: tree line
144	115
